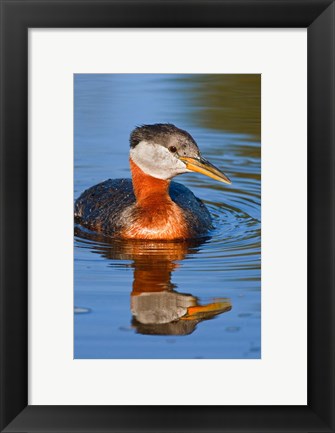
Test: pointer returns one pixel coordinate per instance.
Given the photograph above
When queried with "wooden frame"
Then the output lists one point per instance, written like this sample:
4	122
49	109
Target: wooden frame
19	15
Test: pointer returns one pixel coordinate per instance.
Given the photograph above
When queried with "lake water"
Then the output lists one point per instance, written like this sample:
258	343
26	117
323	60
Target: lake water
145	299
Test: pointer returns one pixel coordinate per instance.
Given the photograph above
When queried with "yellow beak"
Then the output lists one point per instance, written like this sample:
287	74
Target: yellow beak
202	166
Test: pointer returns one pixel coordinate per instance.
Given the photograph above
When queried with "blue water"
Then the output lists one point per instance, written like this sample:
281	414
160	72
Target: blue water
171	300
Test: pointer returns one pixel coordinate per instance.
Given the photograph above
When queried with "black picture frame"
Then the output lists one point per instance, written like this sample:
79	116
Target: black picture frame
17	17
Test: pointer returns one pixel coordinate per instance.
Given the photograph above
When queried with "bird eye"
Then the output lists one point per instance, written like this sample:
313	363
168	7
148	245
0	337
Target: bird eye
172	149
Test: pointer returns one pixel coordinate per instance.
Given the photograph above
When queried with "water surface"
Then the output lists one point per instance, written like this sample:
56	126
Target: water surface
197	299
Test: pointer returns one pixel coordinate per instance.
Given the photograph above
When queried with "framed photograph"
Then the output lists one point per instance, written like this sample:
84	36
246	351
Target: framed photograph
167	216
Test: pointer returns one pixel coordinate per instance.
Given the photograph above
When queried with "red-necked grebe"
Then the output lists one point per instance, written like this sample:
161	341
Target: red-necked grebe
150	206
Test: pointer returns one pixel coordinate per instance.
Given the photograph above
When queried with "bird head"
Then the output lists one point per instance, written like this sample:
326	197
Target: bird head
163	151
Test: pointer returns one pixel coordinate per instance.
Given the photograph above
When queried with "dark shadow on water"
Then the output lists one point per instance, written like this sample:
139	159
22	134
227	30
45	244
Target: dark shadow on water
157	307
225	102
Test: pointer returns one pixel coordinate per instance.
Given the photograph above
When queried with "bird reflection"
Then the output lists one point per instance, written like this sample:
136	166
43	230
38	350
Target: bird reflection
156	307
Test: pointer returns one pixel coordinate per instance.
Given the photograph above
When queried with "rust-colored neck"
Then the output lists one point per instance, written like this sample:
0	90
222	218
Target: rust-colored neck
148	188
156	215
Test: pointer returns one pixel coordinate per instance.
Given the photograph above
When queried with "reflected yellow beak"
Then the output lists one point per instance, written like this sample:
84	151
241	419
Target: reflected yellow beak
203	311
202	166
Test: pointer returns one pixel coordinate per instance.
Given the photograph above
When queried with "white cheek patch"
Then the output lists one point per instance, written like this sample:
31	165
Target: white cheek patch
157	161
